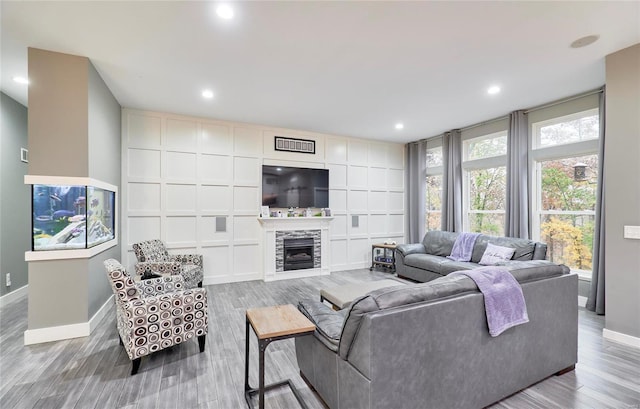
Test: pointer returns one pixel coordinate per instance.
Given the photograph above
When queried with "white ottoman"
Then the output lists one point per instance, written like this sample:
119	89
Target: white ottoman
343	295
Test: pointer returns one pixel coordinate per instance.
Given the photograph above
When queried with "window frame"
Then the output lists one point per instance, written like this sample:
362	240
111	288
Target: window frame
539	154
469	165
537	126
434	143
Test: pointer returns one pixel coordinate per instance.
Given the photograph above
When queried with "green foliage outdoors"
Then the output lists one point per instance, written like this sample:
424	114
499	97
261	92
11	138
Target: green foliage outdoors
569	236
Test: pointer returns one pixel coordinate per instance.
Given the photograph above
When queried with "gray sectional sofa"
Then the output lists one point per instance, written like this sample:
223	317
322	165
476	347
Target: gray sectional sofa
427	345
427	260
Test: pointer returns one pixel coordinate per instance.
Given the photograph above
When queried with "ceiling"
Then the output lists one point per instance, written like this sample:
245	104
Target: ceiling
344	68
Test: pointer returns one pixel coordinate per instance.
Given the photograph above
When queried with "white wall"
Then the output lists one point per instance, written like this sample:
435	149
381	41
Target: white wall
180	173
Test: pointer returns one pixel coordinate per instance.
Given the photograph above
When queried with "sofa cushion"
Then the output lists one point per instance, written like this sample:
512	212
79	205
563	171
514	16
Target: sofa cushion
523	248
495	254
451	266
439	243
425	262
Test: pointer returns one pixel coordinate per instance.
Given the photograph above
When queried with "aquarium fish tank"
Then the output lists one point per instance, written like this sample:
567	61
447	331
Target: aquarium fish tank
71	217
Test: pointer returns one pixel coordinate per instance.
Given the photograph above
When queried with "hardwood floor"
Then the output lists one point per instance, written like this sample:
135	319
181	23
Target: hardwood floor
93	372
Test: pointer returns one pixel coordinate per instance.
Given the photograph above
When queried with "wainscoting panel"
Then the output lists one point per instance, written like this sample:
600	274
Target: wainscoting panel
180	198
144	163
215	169
144	197
181	135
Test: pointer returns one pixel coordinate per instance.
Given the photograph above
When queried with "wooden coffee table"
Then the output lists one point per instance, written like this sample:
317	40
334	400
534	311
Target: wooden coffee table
272	324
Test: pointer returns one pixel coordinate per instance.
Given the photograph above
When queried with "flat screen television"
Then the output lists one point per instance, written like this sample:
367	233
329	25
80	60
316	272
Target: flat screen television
295	187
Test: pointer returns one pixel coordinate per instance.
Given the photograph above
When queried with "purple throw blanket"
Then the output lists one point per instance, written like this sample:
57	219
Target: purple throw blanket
463	247
503	299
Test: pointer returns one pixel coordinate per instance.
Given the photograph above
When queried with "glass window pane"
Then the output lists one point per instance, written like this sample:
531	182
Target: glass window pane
487	146
569	129
487	223
564	189
59	213
569	239
487	188
433	202
434	157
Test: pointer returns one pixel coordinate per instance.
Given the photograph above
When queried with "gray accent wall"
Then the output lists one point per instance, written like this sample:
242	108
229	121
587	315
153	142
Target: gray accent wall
74	130
15	196
622	191
104	138
58	90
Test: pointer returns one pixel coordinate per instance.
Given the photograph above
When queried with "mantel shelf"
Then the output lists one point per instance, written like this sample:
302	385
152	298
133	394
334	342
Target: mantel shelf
273	220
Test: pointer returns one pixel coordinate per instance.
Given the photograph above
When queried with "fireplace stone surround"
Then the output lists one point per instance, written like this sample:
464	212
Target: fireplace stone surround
275	230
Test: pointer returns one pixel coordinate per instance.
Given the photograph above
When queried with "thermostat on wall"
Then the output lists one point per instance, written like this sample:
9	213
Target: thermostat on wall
631	232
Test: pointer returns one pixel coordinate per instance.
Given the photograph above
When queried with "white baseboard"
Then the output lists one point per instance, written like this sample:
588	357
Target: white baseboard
582	301
211	280
100	314
41	335
62	332
14	295
621	338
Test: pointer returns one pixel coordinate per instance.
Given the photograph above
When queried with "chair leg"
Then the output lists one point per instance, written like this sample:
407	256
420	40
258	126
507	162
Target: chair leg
120	339
135	365
201	339
200	284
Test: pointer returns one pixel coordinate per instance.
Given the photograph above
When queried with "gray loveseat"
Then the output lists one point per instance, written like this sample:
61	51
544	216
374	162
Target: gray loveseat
427	260
427	345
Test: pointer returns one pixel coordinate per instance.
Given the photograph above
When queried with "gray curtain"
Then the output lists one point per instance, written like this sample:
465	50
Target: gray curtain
416	188
595	302
517	209
452	181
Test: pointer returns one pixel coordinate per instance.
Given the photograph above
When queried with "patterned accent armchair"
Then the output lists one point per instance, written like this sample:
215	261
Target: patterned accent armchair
154	261
157	313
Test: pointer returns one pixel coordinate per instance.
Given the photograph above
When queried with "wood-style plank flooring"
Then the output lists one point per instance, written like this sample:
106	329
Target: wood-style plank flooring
93	372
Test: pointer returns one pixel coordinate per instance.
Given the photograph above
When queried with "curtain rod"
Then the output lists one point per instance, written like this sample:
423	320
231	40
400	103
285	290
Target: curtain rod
536	108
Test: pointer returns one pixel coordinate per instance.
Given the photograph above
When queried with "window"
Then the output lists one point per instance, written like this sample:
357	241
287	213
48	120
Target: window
581	126
564	181
485	179
433	211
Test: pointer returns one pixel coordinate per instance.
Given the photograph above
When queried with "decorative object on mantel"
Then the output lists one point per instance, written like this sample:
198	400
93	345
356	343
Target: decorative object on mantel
264	211
294	145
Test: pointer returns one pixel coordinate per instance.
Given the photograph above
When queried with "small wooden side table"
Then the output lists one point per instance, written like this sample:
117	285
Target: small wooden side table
272	324
389	262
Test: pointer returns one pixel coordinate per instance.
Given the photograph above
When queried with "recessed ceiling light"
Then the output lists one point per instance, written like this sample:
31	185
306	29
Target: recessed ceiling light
21	80
494	89
224	11
399	126
207	93
585	41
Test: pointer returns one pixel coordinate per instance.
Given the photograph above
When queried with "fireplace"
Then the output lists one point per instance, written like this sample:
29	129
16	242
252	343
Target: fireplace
298	253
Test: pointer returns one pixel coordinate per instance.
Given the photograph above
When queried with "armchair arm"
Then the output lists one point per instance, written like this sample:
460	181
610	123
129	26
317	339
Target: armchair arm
186	258
161	285
157	267
406	249
328	322
160	321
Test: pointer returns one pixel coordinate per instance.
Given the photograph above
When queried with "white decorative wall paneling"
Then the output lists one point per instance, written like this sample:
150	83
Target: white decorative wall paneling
183	176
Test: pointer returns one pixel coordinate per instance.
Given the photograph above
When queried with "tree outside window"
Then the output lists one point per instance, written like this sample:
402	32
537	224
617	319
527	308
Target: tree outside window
433	211
485	183
567	210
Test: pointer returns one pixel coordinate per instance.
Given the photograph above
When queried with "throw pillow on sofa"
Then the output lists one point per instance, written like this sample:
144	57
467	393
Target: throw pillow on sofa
495	254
